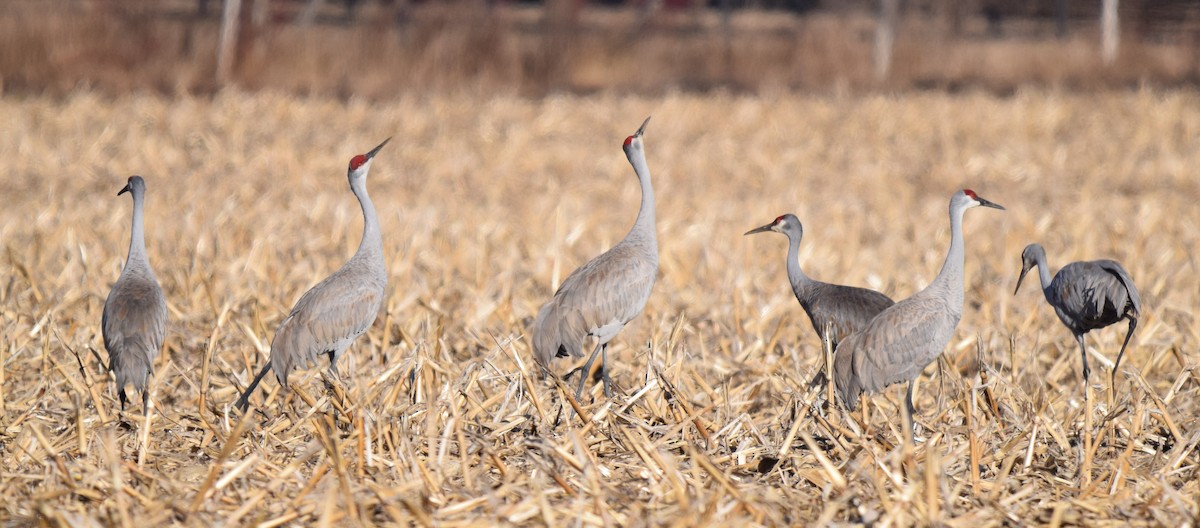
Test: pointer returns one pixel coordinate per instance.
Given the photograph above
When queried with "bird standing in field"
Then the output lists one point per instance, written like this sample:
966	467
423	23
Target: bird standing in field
903	339
1086	296
134	322
843	309
331	315
601	297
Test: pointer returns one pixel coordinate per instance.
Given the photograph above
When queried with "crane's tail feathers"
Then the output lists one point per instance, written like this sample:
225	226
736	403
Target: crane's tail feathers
845	376
244	402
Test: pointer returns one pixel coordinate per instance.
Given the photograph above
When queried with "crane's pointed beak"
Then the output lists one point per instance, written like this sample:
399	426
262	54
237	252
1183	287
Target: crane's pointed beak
1024	270
987	203
376	150
642	129
124	190
759	229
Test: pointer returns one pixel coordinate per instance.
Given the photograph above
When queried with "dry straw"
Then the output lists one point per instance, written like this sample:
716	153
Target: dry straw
481	201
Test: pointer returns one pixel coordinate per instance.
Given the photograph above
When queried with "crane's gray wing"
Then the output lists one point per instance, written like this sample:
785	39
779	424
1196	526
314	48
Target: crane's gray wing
847	309
1089	295
326	317
597	299
1117	271
898	344
134	325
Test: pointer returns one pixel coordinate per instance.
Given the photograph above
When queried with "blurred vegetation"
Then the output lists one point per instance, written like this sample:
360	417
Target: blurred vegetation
380	49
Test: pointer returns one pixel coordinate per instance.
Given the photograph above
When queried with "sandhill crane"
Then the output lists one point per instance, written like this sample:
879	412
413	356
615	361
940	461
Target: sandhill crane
843	309
134	322
1086	296
903	339
331	315
601	297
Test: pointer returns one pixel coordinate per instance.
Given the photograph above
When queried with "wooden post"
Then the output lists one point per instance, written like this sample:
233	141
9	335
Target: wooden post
885	36
228	40
1109	31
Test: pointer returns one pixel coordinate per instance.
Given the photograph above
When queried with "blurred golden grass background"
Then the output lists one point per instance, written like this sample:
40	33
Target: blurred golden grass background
487	203
500	47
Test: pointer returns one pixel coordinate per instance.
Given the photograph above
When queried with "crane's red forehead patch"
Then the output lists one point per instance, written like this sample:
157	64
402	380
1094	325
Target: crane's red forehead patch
628	140
970	193
357	161
778	219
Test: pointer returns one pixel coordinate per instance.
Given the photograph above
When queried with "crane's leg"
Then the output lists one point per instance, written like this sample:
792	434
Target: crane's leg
244	401
1085	468
604	371
123	399
908	414
587	371
333	377
1083	353
1128	334
146	403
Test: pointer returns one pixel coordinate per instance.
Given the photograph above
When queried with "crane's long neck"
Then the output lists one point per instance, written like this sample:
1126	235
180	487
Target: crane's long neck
800	281
372	243
643	231
950	279
1043	272
137	235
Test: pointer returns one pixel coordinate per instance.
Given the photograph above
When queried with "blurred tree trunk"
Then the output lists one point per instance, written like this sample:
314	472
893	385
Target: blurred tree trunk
560	22
309	14
1109	31
1060	19
228	40
885	36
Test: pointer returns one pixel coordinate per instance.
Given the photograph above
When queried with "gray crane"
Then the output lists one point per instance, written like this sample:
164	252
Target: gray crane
331	315
601	297
134	322
843	309
1086	296
903	339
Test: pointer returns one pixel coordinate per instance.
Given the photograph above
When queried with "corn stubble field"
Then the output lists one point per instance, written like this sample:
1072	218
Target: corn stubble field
486	205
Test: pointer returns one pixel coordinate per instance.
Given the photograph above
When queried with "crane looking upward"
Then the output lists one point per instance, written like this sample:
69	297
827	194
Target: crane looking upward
601	297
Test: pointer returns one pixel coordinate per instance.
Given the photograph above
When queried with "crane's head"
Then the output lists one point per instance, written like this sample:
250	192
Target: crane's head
635	141
361	163
971	199
135	185
1030	257
787	224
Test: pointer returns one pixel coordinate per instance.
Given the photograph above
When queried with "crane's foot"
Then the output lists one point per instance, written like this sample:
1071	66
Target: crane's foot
818	380
607	383
337	399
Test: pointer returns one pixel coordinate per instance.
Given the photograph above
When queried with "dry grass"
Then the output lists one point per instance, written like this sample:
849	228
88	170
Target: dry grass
487	204
58	46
